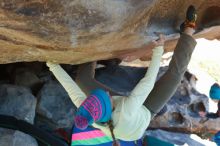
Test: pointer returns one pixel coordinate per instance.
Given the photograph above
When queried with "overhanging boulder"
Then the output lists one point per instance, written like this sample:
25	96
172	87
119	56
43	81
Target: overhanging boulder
80	31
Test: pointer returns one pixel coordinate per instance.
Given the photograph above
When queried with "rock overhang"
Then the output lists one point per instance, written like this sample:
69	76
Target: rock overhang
74	32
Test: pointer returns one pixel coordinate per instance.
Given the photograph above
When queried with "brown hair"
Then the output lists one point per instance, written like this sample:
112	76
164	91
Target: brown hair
111	127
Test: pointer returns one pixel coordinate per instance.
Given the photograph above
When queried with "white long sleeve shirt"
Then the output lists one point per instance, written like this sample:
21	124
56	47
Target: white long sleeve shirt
130	117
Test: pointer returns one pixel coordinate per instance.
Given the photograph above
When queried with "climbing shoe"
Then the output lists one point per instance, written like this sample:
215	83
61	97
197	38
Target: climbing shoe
191	17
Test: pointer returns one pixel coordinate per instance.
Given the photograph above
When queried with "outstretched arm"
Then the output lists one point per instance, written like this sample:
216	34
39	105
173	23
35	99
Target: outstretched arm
146	84
75	93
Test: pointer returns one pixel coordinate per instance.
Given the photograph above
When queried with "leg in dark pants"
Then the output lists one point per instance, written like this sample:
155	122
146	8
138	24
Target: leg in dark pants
86	79
166	86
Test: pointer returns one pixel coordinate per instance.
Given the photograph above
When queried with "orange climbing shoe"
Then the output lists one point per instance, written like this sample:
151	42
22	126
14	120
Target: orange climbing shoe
191	17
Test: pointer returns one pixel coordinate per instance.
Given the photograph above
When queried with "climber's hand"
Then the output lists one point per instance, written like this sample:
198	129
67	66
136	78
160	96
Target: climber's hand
160	41
138	53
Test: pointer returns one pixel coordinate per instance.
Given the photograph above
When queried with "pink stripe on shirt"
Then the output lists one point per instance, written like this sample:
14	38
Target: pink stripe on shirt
88	135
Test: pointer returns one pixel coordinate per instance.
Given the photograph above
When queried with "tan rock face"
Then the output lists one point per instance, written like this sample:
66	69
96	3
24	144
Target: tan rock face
80	31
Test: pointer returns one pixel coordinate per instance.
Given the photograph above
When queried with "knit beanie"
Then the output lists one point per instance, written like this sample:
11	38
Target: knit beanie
95	108
214	92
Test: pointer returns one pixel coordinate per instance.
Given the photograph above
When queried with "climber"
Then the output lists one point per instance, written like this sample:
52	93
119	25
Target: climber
216	138
99	106
214	94
126	118
93	136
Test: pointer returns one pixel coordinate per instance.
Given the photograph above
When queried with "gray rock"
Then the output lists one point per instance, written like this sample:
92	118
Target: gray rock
55	106
16	138
25	77
6	137
18	102
121	79
21	139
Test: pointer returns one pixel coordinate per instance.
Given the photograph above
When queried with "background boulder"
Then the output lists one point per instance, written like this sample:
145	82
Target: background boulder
18	102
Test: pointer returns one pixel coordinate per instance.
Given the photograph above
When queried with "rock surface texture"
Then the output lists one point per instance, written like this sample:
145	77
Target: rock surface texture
80	31
20	100
58	110
17	101
181	113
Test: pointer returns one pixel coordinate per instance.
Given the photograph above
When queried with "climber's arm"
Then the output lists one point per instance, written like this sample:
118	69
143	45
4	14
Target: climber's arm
146	84
75	93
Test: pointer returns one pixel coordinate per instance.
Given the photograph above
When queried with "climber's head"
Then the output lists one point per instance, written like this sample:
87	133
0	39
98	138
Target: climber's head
214	92
97	107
